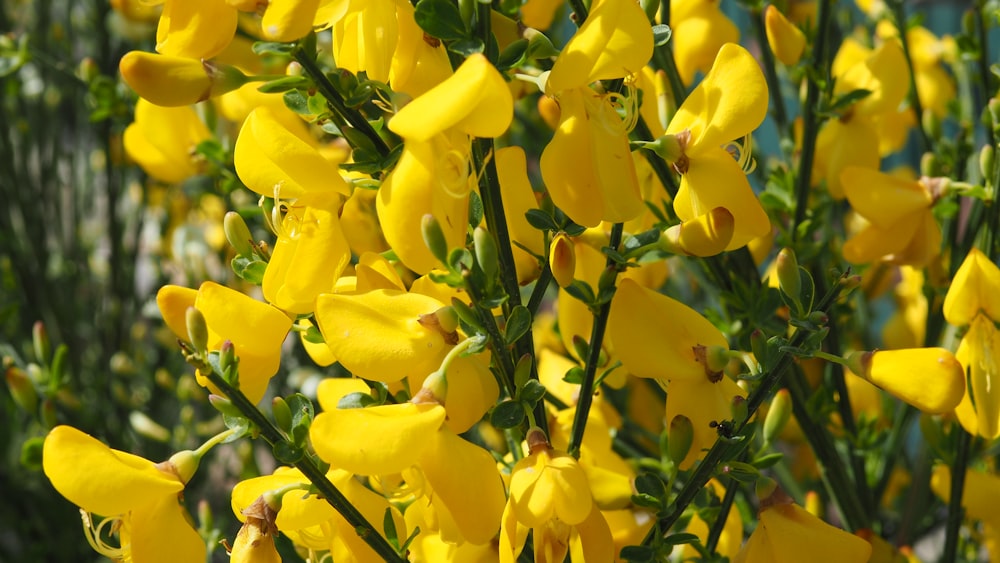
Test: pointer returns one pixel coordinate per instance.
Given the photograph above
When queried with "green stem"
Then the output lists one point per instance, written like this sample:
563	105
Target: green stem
580	11
586	397
770	74
893	450
803	178
914	97
212	442
982	64
327	490
705	469
497	343
659	166
720	521
955	511
835	474
336	102
538	292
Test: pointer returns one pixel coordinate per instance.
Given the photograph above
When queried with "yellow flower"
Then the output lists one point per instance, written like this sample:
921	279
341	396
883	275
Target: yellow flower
288	20
550	495
906	327
786	532
728	104
979	496
973	291
700	29
930	379
162	141
615	41
785	39
433	175
141	498
935	87
518	198
196	30
704	401
256	329
177	81
902	227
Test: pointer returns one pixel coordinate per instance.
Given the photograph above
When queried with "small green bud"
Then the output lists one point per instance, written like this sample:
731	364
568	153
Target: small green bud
860	363
282	414
716	358
224	406
681	436
818	318
88	70
522	371
228	361
197	330
40	342
789	280
48	414
434	238
993	106
931	124
238	234
742	472
581	347
987	156
486	252
22	389
738	408
758	345
777	415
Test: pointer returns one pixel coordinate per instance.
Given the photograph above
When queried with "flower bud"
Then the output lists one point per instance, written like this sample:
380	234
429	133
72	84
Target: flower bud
680	438
486	251
224	406
227	358
786	41
434	237
738	409
777	415
987	157
282	414
238	234
787	269
994	108
197	329
930	165
705	235
758	345
40	342
22	389
170	81
562	259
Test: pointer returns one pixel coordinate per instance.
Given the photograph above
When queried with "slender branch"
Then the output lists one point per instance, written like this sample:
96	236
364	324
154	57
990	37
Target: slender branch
327	490
914	96
955	511
803	177
981	63
336	102
538	292
586	397
580	12
712	542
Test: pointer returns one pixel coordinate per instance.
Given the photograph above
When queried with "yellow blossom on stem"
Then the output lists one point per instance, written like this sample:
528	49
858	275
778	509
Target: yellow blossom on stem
902	228
142	498
162	141
177	81
728	104
786	532
615	41
550	495
785	39
256	329
973	291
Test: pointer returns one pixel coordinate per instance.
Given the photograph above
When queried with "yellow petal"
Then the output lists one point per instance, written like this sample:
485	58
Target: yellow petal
978	348
162	533
873	243
162	140
375	272
319	352
376	440
253	545
703	402
378	335
729	103
101	480
841	144
883	199
976	287
615	41
454	468
475	100
930	379
472	390
656	336
197	29
705	235
698	36
979	497
793	534
518	198
417	66
591	539
166	80
331	390
548	485
786	41
275	162
884	73
173	302
288	20
539	13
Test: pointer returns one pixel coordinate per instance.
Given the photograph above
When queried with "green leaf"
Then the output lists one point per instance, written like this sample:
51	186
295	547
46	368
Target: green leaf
849	99
769	460
468	47
317	104
251	271
514	55
541	47
638	553
441	19
647	501
541	220
574	375
532	392
389	526
467	314
476	209
283	84
518	324
356	400
31	453
287	453
522	371
296	101
314	336
507	414
582	291
650	484
273	48
661	34
679	539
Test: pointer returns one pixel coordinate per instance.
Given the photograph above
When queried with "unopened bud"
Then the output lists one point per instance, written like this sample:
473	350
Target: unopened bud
22	389
238	234
705	235
680	438
738	409
40	342
224	406
785	39
987	156
282	414
87	70
743	472
430	229
562	259
758	345
777	415
818	318
197	329
227	359
486	252
789	280
170	81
